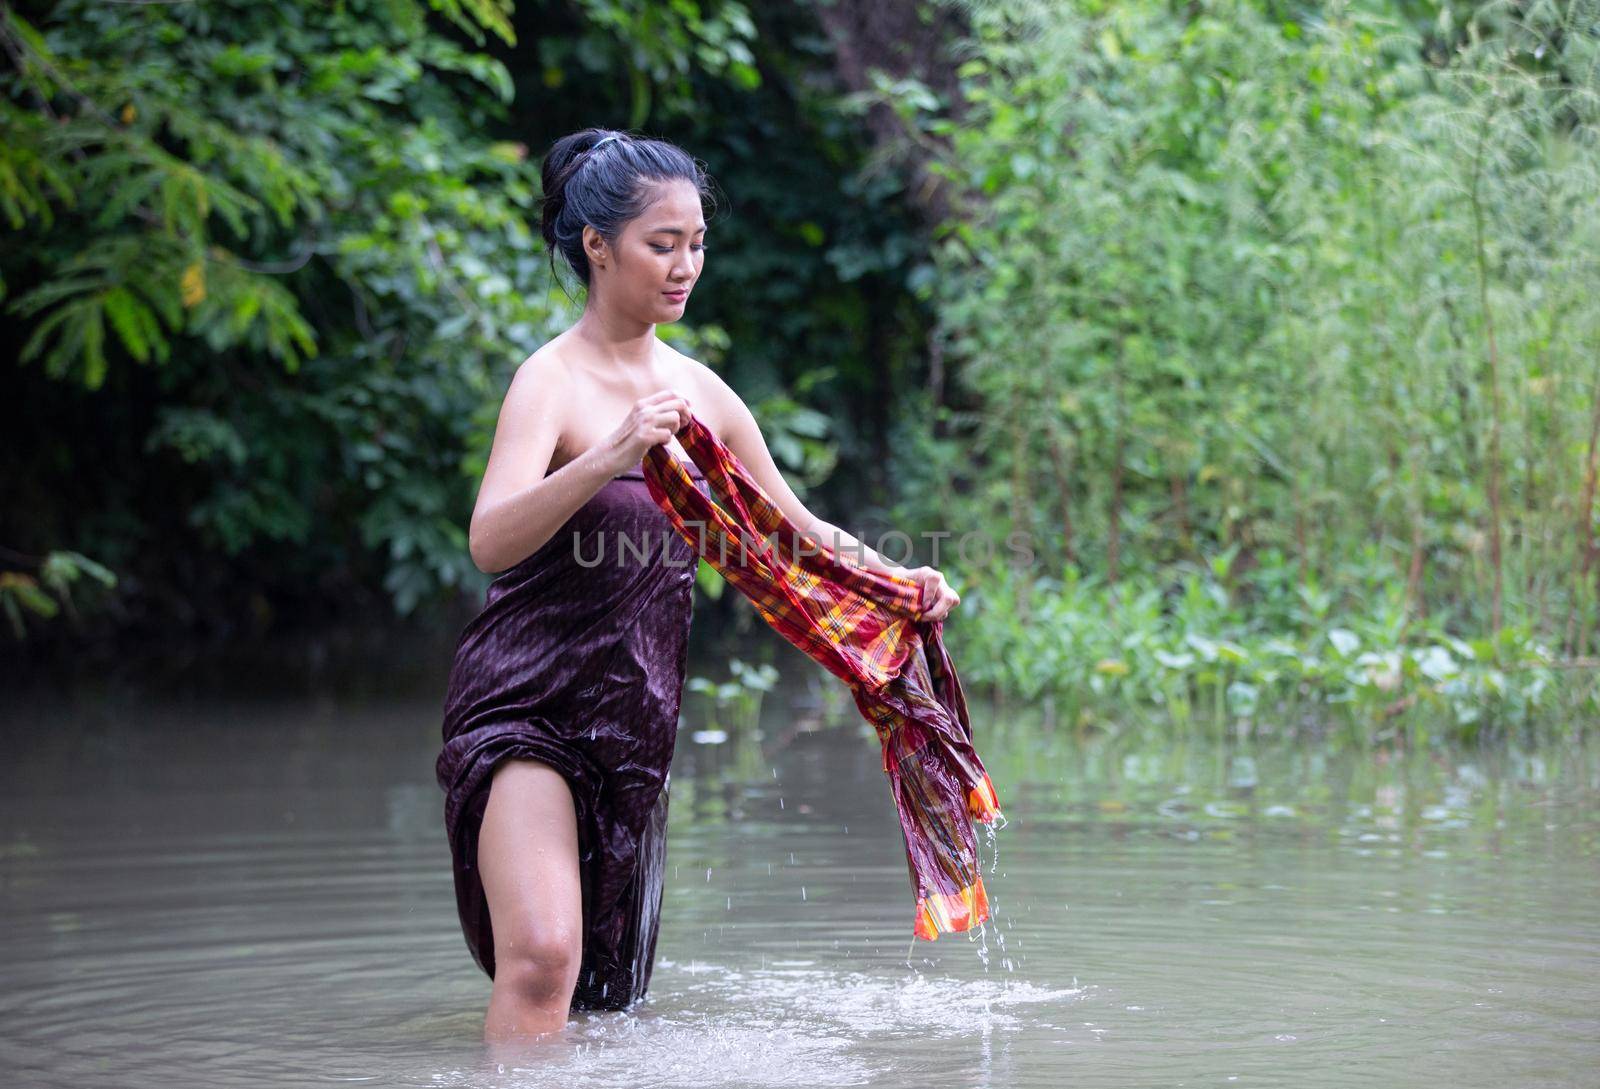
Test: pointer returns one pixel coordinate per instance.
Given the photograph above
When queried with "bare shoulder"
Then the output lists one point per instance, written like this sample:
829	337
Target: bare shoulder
546	370
543	382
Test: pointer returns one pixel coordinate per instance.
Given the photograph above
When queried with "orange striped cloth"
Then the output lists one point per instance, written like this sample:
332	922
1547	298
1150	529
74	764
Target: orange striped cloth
861	625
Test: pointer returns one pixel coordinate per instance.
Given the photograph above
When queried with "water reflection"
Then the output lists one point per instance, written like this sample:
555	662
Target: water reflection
230	888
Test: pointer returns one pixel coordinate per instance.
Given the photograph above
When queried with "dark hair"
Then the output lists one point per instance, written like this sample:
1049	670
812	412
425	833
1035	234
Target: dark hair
602	177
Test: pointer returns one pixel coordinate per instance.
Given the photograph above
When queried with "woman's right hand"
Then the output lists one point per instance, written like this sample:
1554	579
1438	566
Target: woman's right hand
652	420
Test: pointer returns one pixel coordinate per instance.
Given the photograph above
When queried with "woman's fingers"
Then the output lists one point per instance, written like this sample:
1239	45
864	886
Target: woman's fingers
937	597
664	401
672	415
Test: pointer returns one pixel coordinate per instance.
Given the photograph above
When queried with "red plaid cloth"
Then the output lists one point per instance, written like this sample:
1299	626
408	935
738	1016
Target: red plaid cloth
861	625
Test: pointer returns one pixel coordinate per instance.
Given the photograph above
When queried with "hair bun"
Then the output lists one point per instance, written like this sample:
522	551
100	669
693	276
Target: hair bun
605	192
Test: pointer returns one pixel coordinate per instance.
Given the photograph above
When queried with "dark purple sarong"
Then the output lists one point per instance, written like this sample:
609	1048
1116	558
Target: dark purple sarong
580	664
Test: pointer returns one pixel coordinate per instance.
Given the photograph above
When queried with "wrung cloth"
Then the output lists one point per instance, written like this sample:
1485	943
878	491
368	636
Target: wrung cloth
861	625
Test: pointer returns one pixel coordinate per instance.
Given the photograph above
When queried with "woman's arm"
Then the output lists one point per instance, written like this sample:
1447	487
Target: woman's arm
741	434
736	426
519	508
851	550
938	596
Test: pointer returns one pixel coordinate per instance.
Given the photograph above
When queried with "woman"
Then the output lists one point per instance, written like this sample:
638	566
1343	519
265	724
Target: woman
563	699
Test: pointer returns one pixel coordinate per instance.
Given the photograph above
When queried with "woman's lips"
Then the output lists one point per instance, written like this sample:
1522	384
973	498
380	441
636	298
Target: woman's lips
677	296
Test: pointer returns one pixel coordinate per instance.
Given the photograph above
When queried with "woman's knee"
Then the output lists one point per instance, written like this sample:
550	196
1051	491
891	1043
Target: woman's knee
539	964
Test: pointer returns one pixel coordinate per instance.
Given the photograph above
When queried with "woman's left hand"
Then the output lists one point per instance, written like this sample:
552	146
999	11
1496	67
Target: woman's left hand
937	597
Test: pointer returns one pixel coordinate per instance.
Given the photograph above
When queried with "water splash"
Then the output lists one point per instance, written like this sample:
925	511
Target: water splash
789	1024
862	1004
993	844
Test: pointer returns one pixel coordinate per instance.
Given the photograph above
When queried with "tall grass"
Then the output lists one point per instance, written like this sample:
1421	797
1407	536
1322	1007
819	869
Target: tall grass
1319	294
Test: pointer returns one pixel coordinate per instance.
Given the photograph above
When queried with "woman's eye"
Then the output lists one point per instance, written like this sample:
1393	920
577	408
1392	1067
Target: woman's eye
668	249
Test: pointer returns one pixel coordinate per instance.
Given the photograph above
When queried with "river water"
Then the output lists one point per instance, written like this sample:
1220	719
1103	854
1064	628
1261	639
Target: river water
246	883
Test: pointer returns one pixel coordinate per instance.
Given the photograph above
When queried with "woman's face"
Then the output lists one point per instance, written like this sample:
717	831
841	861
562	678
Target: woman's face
657	258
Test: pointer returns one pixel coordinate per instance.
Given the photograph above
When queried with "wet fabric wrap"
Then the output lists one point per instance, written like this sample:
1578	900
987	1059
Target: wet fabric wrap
577	660
861	625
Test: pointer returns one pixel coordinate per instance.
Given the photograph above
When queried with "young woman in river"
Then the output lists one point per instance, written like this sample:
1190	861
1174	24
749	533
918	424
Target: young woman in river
562	704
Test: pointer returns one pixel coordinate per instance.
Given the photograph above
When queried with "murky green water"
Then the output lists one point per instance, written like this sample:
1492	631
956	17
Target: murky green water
248	889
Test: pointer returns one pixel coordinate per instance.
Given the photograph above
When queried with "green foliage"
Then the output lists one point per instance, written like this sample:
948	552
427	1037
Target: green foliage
277	233
734	705
1299	287
660	48
45	595
1270	328
273	264
1266	656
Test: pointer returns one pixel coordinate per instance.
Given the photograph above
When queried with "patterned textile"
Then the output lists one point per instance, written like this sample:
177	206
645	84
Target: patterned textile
861	625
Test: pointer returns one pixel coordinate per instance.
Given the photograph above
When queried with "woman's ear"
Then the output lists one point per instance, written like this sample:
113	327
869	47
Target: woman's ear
595	247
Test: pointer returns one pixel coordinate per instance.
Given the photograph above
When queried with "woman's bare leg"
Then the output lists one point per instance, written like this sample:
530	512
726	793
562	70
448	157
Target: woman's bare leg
528	861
